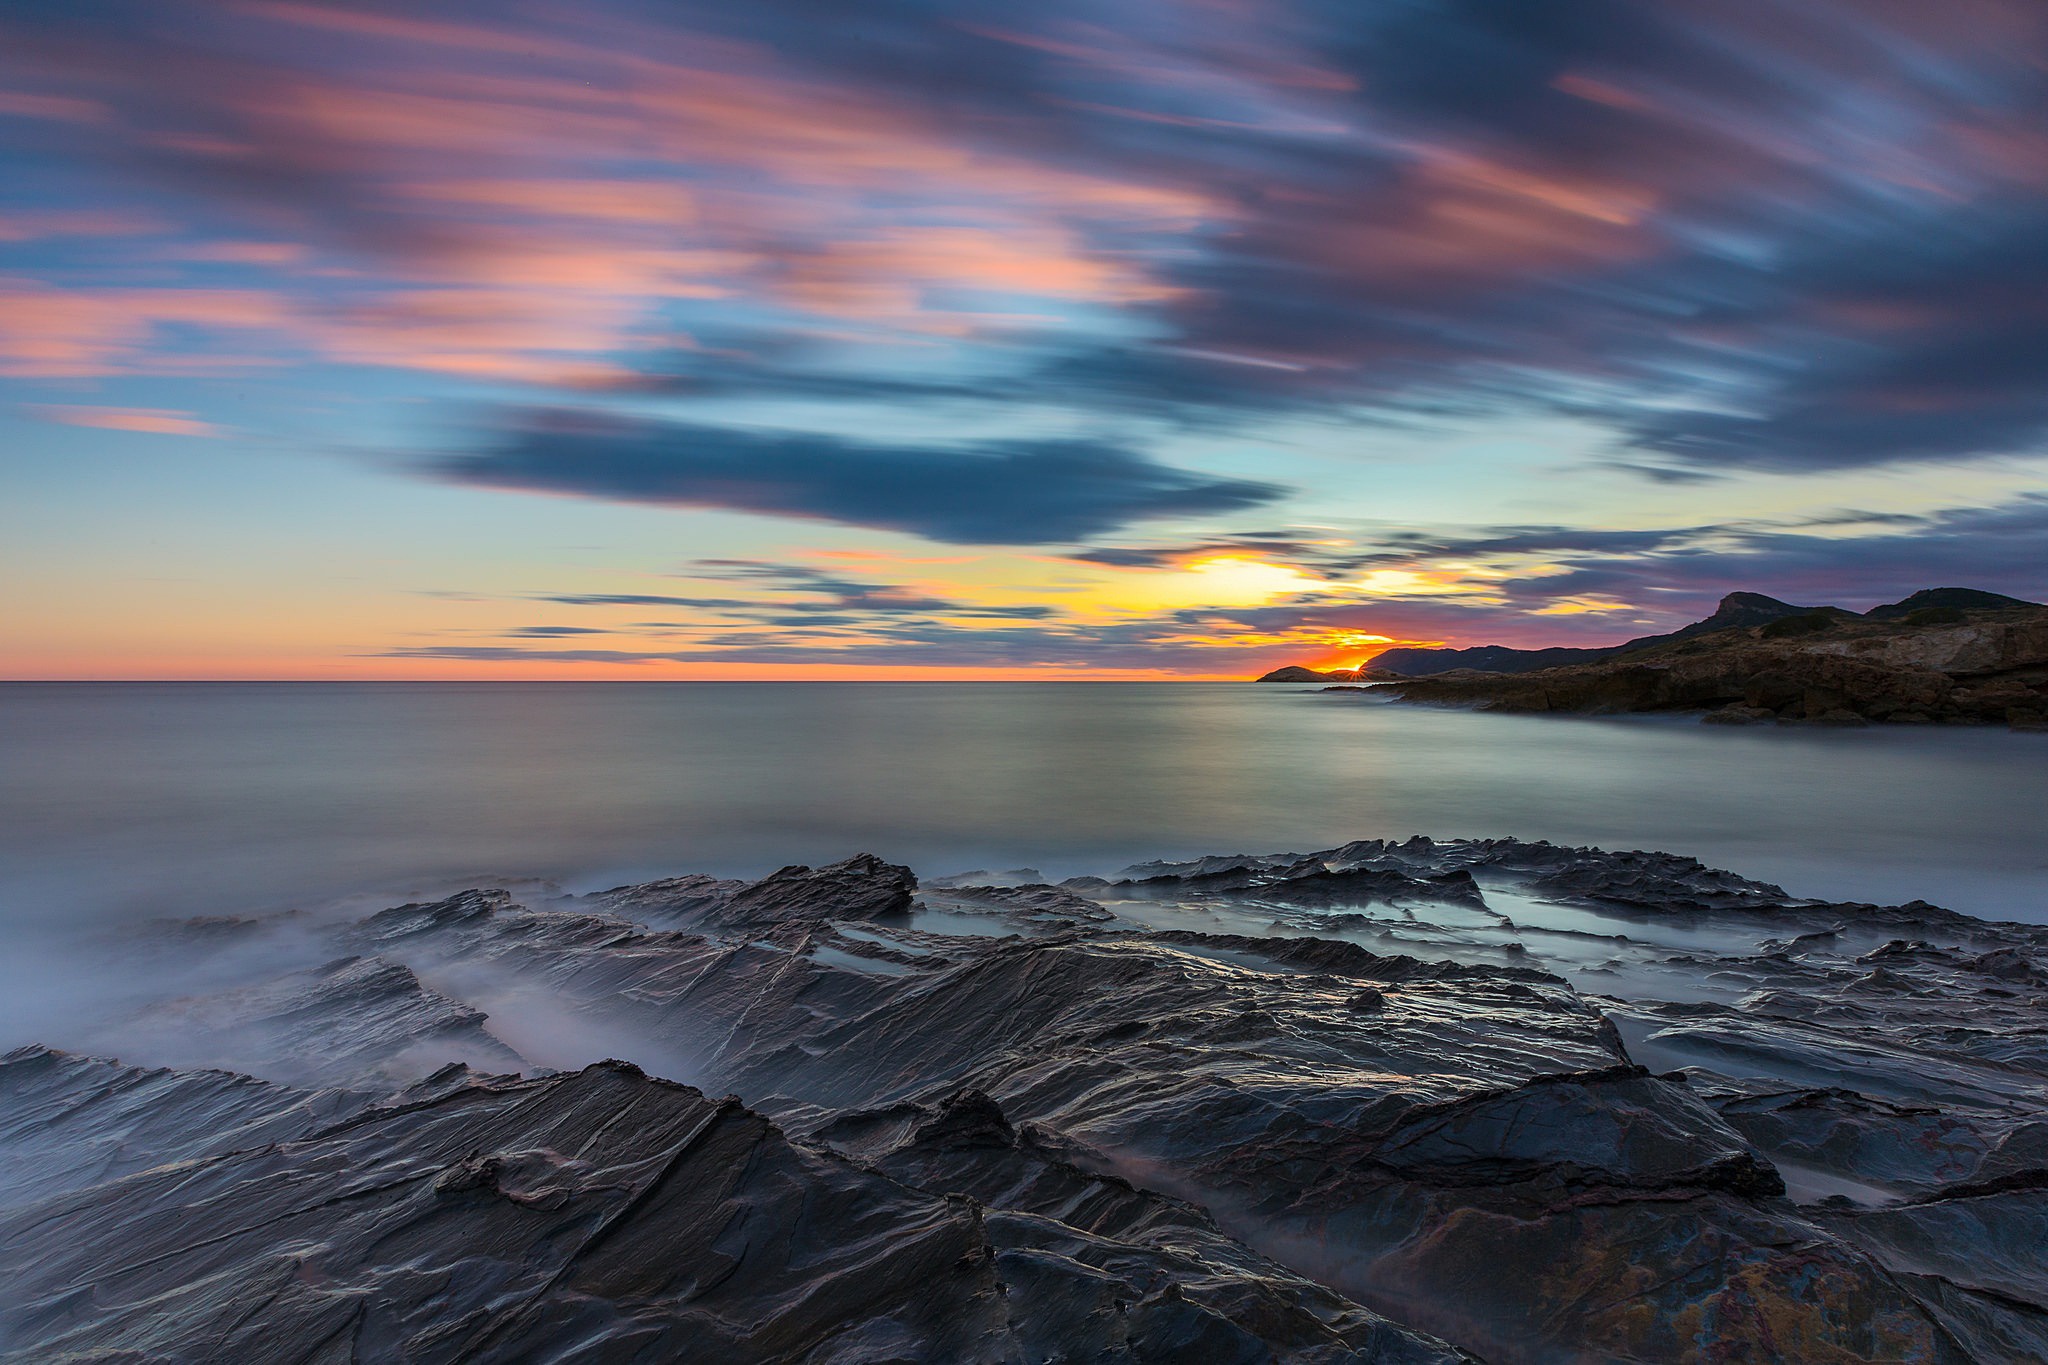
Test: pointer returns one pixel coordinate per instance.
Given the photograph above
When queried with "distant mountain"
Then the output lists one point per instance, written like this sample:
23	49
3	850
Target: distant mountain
1737	609
1946	656
1296	674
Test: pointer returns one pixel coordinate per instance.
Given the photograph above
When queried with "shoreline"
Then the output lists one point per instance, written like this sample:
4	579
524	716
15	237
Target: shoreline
1206	1074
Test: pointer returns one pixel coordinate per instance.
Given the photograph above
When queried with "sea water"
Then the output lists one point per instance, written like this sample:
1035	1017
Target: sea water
130	801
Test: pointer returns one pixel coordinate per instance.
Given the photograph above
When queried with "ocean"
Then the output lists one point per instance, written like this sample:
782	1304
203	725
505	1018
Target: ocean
122	802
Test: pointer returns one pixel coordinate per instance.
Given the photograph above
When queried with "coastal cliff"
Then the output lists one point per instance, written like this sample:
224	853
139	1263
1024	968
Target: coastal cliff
1944	656
1940	665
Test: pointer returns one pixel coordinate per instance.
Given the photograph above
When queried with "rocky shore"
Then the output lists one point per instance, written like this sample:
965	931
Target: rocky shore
1984	665
1390	1102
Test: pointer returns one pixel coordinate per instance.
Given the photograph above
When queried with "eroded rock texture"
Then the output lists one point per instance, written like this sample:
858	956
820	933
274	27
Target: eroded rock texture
1541	1104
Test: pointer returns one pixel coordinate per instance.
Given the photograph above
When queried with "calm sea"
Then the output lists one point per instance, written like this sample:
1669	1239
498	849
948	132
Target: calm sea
131	800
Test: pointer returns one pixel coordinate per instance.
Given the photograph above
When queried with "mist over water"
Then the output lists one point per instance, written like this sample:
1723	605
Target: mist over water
123	802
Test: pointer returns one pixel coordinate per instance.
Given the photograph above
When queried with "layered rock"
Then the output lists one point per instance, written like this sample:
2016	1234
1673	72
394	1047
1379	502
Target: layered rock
1543	1103
608	1215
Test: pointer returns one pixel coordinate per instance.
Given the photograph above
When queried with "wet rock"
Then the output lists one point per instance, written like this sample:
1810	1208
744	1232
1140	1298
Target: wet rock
1975	1256
67	1122
668	900
345	1021
608	1215
1013	877
1035	899
405	921
1188	1116
861	887
1311	881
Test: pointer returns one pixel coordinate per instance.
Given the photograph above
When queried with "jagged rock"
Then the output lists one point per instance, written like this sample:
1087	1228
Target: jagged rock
861	887
1033	899
67	1122
672	898
1975	1256
1013	877
1311	881
404	921
1251	1107
343	1021
607	1215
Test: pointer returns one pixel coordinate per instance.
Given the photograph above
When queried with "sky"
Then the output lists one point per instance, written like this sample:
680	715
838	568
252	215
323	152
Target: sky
953	339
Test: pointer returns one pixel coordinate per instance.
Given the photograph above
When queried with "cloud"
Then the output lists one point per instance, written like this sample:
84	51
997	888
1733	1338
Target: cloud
156	421
1516	585
50	333
996	493
1504	583
1739	237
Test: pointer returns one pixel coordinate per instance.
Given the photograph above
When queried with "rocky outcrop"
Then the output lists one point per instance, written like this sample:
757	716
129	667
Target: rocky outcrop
1737	611
1988	667
672	899
1539	1102
862	887
609	1215
353	1018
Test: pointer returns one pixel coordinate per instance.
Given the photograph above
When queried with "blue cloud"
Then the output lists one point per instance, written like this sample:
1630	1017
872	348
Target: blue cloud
996	493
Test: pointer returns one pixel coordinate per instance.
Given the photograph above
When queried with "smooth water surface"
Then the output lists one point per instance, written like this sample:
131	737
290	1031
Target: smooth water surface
128	800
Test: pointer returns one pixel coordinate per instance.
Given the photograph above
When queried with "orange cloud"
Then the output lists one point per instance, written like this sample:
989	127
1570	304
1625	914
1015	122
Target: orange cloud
155	421
887	273
651	202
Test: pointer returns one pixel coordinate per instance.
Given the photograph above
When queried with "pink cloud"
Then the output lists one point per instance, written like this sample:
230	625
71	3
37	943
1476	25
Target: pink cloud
155	421
33	224
60	108
50	333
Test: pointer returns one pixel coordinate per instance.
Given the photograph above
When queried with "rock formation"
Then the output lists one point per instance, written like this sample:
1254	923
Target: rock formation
1973	664
1738	610
1389	1102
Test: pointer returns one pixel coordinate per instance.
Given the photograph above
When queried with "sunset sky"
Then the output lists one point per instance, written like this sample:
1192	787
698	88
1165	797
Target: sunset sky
944	338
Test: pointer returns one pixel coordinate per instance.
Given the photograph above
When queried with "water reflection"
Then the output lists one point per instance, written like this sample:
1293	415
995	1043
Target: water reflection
121	800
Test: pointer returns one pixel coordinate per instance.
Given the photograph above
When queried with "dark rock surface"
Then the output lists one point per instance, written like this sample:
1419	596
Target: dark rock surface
1544	1103
862	887
354	1018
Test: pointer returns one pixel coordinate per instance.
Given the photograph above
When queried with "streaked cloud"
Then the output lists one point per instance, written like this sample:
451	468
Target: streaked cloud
994	493
1086	287
155	421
